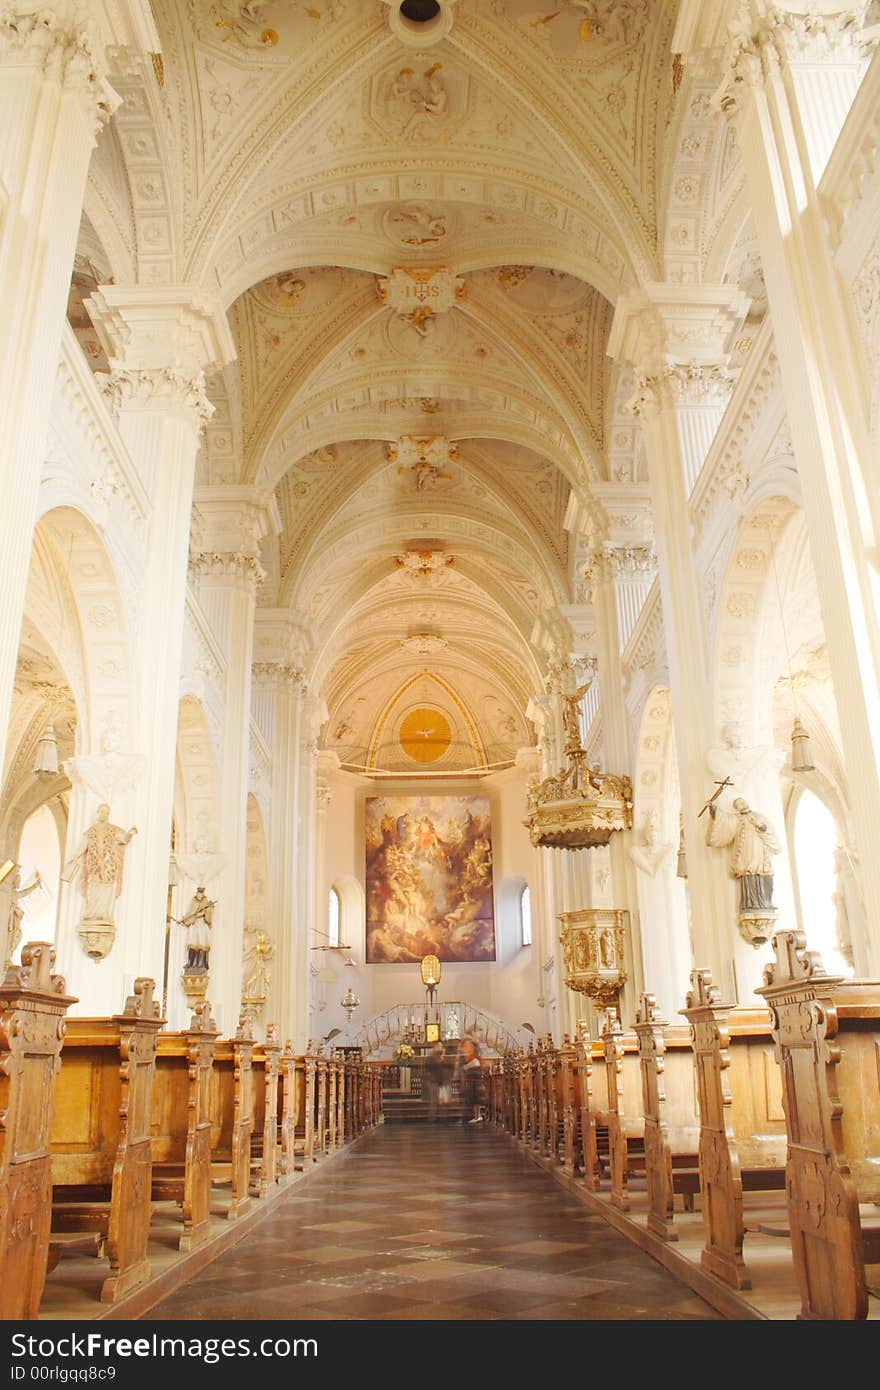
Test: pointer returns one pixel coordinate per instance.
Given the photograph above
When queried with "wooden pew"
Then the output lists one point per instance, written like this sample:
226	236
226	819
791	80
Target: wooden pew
264	1136
619	1104
585	1053
340	1099
742	1124
232	1116
530	1097
101	1148
672	1121
180	1129
32	1008
827	1036
322	1090
570	1106
552	1099
291	1093
509	1119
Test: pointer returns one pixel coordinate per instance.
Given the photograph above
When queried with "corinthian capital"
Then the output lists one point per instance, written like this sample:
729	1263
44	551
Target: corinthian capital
60	41
761	44
157	388
276	675
238	565
680	385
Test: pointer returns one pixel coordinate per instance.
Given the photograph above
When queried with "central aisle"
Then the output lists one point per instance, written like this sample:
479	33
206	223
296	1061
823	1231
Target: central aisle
433	1222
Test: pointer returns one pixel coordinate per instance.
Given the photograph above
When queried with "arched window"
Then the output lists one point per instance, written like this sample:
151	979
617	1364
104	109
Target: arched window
333	919
822	911
39	851
525	916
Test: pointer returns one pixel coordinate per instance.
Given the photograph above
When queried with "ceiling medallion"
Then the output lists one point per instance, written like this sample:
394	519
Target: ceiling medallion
418	295
423	457
425	735
420	23
580	807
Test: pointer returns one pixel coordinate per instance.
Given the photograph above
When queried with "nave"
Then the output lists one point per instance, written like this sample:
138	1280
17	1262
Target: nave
432	1223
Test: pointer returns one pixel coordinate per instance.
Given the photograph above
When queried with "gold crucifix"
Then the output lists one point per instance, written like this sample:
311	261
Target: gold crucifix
715	795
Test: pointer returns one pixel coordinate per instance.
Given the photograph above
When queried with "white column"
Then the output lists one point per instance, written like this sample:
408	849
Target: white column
158	342
227	571
789	80
677	339
279	685
53	100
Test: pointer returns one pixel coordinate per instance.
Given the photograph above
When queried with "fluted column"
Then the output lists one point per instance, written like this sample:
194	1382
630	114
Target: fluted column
278	696
677	338
54	97
612	572
226	569
789	78
158	342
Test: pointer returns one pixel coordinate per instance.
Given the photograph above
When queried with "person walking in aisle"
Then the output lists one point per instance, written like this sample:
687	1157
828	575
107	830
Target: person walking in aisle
472	1079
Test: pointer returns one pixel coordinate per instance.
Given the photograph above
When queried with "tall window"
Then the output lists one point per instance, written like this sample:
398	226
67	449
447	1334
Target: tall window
333	919
822	912
525	916
39	851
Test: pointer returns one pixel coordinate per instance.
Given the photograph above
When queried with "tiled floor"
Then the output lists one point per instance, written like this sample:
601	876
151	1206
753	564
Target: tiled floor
433	1223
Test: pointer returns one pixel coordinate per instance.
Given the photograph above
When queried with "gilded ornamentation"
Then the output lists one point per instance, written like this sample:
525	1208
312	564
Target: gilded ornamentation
593	943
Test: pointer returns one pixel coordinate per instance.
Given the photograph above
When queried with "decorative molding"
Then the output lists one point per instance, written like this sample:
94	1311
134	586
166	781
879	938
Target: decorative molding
158	388
44	37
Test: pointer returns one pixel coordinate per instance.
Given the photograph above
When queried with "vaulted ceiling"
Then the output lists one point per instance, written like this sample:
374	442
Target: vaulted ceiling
289	158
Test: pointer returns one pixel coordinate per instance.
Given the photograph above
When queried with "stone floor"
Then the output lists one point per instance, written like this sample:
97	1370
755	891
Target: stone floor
440	1222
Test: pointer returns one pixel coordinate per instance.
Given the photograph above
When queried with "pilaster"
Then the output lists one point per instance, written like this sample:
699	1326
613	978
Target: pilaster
159	343
677	339
54	98
226	569
789	78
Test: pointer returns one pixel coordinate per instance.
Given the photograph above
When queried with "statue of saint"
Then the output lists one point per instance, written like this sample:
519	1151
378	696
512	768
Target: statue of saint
571	716
752	843
98	863
16	912
198	920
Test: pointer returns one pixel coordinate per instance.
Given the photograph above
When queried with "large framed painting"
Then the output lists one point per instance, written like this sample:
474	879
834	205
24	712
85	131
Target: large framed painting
429	878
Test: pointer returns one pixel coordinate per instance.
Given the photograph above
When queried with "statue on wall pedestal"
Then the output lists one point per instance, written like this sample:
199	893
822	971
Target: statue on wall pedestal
752	844
198	920
98	863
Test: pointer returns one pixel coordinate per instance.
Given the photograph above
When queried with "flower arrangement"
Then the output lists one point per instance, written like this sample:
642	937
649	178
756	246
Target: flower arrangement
405	1053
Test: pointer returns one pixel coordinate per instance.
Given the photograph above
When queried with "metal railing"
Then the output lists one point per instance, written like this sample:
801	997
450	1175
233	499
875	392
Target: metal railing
456	1019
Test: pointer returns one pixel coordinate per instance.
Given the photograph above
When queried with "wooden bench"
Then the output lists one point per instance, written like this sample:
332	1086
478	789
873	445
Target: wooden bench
570	1107
588	1054
827	1037
232	1117
180	1129
672	1120
322	1090
32	1008
101	1146
264	1136
291	1096
742	1123
619	1104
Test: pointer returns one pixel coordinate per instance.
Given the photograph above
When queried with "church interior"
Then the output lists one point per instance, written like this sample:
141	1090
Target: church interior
440	659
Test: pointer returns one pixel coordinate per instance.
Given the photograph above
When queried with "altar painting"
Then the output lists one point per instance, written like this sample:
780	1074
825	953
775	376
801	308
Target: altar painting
429	878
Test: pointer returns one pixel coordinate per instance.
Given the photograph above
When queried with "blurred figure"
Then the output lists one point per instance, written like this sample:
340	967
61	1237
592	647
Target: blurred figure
472	1079
437	1071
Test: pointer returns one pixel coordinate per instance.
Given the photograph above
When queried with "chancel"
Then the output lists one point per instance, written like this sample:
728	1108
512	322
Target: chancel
441	478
